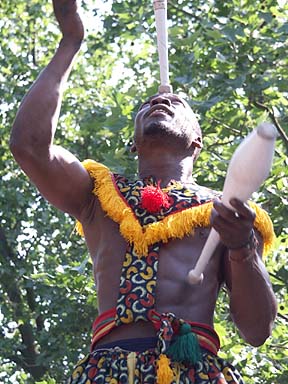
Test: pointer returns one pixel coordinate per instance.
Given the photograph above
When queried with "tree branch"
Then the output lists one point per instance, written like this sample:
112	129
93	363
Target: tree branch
234	130
277	277
282	317
179	9
272	116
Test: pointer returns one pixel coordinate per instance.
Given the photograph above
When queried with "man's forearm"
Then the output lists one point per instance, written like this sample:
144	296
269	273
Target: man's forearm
36	120
252	301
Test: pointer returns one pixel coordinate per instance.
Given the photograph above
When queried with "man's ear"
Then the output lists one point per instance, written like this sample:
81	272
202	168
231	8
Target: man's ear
197	142
196	147
133	148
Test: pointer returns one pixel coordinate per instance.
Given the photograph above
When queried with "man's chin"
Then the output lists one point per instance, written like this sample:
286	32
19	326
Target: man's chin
158	128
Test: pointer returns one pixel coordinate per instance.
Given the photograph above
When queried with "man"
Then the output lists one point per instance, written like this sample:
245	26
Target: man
145	236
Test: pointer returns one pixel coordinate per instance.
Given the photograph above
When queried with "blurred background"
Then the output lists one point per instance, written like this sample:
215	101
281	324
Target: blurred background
229	60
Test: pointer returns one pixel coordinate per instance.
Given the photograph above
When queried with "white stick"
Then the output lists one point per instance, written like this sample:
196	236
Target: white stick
196	275
248	168
160	10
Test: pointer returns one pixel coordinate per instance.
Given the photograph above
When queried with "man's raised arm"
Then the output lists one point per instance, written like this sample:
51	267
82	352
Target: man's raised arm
58	175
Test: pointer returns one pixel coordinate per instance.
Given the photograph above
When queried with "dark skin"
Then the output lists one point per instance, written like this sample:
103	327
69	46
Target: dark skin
166	143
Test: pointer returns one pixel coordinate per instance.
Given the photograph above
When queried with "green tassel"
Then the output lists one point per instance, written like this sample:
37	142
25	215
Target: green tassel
186	347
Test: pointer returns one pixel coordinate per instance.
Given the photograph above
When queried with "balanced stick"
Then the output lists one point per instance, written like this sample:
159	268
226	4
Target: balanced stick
160	10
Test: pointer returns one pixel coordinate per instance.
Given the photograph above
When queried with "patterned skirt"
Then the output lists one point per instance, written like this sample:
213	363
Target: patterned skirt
120	366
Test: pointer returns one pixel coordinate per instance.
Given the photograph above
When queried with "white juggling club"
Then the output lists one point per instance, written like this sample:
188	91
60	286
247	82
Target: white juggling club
160	10
248	168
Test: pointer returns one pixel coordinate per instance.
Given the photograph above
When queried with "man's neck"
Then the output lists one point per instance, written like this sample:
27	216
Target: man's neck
167	168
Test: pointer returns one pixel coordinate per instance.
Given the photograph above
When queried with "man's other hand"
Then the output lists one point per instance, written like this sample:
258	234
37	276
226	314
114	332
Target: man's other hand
234	227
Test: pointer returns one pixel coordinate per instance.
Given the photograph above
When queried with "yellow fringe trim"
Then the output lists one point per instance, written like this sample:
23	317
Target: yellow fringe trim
176	225
264	225
164	371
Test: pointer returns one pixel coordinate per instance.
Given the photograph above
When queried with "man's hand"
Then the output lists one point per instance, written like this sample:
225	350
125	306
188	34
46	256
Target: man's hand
234	228
70	23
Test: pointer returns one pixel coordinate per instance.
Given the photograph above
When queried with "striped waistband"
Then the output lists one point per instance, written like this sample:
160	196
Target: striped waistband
103	325
206	335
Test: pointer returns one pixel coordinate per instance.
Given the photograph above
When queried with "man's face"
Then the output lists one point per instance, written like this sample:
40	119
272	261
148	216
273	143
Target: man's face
167	117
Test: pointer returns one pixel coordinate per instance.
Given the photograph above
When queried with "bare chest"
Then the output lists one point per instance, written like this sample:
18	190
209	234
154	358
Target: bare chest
175	258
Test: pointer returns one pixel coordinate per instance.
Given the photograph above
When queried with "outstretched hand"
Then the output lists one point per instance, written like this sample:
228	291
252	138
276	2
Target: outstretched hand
234	227
70	23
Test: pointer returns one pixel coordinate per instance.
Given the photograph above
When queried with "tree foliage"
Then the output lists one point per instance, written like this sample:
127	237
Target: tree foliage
230	60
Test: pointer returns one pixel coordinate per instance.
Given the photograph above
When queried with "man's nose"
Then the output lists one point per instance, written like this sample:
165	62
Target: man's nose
160	99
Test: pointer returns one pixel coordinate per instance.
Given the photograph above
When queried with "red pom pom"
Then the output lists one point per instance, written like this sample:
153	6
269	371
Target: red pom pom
153	199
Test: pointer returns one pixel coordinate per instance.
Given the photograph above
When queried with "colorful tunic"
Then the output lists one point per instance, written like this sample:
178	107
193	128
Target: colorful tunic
185	352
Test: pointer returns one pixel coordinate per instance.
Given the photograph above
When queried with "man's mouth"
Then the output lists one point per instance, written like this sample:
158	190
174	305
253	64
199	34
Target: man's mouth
159	108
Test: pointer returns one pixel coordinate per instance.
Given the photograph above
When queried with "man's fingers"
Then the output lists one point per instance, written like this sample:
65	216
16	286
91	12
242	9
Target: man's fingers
224	212
243	209
233	226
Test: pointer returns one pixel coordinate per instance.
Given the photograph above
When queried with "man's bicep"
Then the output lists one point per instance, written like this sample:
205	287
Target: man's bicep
62	180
